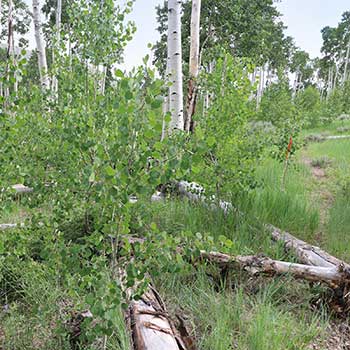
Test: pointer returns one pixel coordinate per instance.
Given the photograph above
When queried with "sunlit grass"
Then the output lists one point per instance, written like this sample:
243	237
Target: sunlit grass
229	317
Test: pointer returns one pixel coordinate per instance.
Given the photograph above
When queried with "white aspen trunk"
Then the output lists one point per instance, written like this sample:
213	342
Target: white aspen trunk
175	65
346	63
194	63
330	79
260	87
166	107
295	84
104	77
45	82
263	82
15	85
0	14
9	48
58	39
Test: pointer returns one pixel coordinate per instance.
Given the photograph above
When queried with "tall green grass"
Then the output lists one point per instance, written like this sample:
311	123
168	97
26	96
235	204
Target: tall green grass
290	208
230	317
337	239
36	312
328	129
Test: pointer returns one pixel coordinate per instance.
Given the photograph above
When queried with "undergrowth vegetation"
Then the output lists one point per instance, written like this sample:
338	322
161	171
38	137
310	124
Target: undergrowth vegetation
95	148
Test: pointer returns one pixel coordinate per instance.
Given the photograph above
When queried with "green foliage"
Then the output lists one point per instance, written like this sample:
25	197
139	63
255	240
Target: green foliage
278	108
225	154
227	24
309	106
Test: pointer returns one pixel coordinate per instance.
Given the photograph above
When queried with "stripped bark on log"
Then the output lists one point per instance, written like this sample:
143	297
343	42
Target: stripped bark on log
332	275
196	193
263	265
19	188
7	226
151	325
306	253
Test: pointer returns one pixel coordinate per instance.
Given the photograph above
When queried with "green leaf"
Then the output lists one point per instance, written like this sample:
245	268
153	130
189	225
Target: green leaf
118	73
128	95
109	171
211	141
92	177
156	103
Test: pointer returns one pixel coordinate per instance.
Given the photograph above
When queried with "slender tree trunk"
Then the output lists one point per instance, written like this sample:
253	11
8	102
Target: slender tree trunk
9	50
14	60
194	64
260	86
58	39
104	77
295	84
45	82
0	14
330	81
175	65
346	63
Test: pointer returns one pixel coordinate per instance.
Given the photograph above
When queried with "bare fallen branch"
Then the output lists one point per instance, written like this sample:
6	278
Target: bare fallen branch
263	265
306	253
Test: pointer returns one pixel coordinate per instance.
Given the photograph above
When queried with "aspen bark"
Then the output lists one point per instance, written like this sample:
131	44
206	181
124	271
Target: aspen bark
9	49
295	84
45	82
58	39
175	65
346	63
194	63
0	14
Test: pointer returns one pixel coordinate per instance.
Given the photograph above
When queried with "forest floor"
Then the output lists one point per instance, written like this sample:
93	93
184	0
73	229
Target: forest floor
235	311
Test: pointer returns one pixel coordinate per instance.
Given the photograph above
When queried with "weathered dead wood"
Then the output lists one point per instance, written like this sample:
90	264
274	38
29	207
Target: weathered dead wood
306	253
148	320
151	325
196	193
335	275
7	226
20	189
337	137
331	275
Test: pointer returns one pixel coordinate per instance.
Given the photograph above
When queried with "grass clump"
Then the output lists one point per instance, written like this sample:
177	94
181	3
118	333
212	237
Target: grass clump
229	317
322	162
289	209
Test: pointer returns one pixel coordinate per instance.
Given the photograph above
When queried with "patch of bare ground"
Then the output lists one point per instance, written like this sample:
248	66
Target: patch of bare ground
320	193
336	337
316	171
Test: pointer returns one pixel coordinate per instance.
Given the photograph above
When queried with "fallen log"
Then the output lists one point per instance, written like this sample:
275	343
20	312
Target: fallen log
20	189
7	226
335	275
152	328
148	320
331	275
337	137
196	193
306	253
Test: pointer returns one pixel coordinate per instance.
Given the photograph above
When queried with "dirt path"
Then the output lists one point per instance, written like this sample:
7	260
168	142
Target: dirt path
320	192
